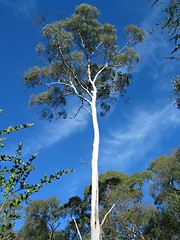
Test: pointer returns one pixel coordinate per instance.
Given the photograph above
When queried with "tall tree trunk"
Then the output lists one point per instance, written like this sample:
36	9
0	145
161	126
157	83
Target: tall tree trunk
95	225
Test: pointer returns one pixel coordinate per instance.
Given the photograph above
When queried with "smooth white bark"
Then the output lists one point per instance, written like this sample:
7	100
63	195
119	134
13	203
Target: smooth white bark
95	225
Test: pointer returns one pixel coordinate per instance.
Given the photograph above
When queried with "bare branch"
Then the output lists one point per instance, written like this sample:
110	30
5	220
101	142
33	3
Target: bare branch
85	162
104	219
122	49
85	108
2	206
93	53
89	71
79	109
78	94
137	234
80	237
60	83
99	72
70	69
82	42
75	77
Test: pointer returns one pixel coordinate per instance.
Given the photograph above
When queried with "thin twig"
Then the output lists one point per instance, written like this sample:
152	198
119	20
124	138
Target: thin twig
80	237
93	53
78	94
122	49
87	109
60	83
79	109
85	162
104	219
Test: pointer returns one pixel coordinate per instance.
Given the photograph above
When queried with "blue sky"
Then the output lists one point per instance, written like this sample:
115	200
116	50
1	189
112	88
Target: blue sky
133	133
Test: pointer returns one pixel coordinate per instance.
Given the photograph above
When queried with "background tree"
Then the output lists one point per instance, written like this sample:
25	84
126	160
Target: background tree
42	220
83	60
76	210
129	216
166	193
13	184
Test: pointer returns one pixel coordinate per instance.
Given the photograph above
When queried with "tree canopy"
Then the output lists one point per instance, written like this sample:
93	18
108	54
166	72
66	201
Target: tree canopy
80	52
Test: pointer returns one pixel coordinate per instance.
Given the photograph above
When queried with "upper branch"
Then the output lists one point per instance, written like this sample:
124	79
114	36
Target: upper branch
82	42
93	53
71	70
78	94
99	72
122	49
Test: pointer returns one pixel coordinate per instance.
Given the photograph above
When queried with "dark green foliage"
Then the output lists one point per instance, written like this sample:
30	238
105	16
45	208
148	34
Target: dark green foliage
166	193
79	210
15	189
130	218
166	172
42	220
80	52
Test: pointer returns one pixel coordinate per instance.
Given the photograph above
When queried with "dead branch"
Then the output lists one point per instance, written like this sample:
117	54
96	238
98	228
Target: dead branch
104	219
85	162
77	228
79	109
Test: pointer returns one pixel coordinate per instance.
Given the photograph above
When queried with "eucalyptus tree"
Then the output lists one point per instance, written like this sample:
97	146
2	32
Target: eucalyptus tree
123	194
165	189
82	59
76	210
42	220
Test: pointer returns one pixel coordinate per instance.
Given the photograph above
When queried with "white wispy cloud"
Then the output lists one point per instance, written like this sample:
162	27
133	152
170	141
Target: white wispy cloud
77	181
156	45
23	7
53	132
141	134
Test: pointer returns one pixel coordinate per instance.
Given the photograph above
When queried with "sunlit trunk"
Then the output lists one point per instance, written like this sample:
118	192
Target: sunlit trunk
95	225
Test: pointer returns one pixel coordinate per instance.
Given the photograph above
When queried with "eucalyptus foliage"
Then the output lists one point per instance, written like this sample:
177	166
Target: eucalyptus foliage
165	189
76	50
42	220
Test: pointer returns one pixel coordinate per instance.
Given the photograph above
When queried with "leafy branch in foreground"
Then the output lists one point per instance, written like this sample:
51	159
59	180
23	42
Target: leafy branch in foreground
176	89
170	21
14	189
